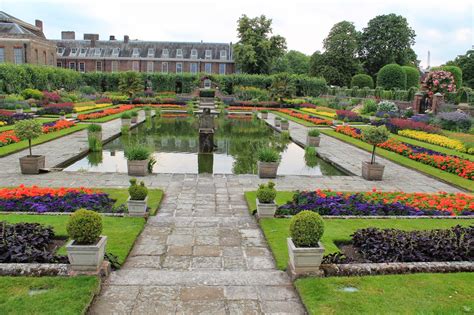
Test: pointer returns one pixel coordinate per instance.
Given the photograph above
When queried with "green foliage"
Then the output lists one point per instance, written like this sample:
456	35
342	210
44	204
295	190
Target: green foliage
207	93
266	193
95	145
466	63
130	83
310	156
28	129
413	76
88	90
32	93
249	93
134	114
306	229
137	192
455	71
268	155
387	106
282	87
392	76
369	107
293	62
314	132
84	226
362	80
375	135
94	128
137	153
126	115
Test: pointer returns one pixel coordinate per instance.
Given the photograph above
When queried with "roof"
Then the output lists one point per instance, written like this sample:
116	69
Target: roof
11	25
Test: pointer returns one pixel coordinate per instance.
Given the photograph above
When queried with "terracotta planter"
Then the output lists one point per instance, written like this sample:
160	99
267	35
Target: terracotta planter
372	171
31	164
137	167
86	257
264	115
266	210
134	120
137	208
304	260
267	169
126	121
313	141
96	134
284	125
277	122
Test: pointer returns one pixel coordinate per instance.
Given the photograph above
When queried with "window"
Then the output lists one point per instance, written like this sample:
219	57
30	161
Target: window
18	55
151	53
150	66
98	66
82	52
73	52
194	54
222	68
72	65
2	55
179	67
179	53
60	51
208	68
82	67
114	65
164	67
115	52
135	66
97	52
165	53
223	54
208	54
193	67
59	64
136	53
36	56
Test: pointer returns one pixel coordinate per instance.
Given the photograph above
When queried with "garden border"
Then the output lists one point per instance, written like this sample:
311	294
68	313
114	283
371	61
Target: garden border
375	217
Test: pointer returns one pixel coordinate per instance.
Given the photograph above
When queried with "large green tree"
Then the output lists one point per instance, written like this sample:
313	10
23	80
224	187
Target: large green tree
293	62
387	39
466	63
257	49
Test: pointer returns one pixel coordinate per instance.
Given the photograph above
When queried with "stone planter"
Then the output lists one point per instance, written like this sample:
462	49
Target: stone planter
96	134
86	257
34	109
126	121
264	115
372	171
74	115
284	125
19	110
134	120
304	260
137	208
267	169
148	113
31	164
277	122
266	210
63	117
313	141
137	167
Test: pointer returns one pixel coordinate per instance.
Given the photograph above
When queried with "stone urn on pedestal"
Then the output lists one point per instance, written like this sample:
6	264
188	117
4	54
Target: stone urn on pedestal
374	135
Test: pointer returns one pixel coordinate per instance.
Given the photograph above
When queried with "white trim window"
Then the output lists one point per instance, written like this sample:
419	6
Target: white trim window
83	52
193	67
72	65
2	54
135	66
18	55
179	67
165	53
179	53
151	53
82	67
208	68
223	54
73	52
97	52
208	54
115	52
194	53
164	67
136	53
222	68
98	66
60	51
150	66
114	66
59	64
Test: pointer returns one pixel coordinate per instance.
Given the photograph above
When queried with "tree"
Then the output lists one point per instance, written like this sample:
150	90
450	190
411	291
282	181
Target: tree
387	39
466	63
282	87
257	49
293	62
28	129
130	83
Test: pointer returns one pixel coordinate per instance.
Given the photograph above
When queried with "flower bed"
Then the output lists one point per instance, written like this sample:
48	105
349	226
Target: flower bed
170	115
396	124
350	115
377	203
306	117
56	108
82	107
40	200
173	106
434	139
233	116
10	117
258	104
245	108
57	125
317	111
8	137
105	112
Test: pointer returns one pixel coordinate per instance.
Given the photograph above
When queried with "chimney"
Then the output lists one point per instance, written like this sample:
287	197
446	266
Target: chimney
39	24
125	39
111	37
91	36
68	35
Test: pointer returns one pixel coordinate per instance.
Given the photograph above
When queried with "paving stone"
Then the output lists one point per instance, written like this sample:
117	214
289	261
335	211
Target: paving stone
143	262
201	293
206	251
180	239
214	263
177	262
240	293
176	250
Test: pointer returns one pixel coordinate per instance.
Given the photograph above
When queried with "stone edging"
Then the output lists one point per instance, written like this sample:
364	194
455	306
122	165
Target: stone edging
34	269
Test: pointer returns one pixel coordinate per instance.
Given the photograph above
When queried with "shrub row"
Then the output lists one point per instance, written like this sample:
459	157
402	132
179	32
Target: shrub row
355	91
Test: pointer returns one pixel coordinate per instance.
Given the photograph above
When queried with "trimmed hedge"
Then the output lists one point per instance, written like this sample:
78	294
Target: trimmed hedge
455	71
392	76
413	76
362	80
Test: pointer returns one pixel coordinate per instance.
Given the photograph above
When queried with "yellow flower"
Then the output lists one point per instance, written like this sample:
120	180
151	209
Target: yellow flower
442	141
316	111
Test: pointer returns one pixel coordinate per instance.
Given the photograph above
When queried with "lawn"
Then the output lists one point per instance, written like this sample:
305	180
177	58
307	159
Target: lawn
15	147
391	294
47	295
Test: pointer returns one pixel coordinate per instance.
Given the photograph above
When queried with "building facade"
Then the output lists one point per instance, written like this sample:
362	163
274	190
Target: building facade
21	42
91	54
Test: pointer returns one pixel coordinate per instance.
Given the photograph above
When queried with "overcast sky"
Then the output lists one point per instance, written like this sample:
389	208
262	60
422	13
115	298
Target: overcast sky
443	27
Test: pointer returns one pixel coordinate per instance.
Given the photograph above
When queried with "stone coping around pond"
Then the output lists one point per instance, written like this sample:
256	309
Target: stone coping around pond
459	217
108	214
43	270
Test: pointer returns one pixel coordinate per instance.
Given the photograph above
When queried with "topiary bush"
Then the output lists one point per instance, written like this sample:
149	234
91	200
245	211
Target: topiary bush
32	93
392	76
374	136
362	80
413	76
306	229
137	192
84	227
266	193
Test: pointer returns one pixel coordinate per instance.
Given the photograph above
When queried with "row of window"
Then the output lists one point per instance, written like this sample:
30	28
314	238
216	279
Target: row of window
18	55
96	52
150	67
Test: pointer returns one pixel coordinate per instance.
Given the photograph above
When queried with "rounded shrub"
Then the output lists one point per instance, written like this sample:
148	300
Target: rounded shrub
413	76
306	229
369	106
84	226
32	93
137	192
387	106
362	80
266	193
392	76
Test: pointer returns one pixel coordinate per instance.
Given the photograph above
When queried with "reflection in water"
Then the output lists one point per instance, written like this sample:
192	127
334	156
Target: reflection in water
175	143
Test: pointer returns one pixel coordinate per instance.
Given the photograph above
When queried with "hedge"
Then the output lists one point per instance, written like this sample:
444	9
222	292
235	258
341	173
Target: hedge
362	80
413	76
455	71
397	95
391	76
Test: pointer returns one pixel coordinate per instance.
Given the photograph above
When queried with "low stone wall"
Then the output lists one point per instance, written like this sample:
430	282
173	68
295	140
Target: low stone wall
33	269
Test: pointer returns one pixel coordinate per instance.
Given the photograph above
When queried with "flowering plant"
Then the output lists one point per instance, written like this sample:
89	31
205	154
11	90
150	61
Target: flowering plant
310	118
57	125
439	82
434	139
396	124
105	112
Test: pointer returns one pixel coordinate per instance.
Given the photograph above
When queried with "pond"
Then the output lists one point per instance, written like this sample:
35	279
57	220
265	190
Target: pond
175	146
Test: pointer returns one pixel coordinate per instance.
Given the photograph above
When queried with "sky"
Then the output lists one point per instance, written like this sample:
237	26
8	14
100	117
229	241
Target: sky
445	28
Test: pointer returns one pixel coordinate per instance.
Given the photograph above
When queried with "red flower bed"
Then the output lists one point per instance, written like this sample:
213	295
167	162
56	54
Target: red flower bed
105	112
162	105
8	137
174	115
49	97
244	108
35	191
396	124
6	113
58	125
103	100
239	116
60	105
306	117
349	131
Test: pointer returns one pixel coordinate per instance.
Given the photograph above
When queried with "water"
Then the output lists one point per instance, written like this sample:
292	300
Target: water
175	146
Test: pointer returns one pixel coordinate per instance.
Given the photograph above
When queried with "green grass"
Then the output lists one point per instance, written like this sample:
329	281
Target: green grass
277	230
43	120
15	147
281	198
399	159
108	118
54	295
391	294
121	196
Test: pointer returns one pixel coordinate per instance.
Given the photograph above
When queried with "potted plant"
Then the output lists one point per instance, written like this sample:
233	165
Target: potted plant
137	160
30	129
313	139
374	136
284	124
134	118
126	119
304	249
19	109
63	115
34	107
95	130
268	160
148	111
264	114
345	122
86	249
277	121
74	114
137	201
266	205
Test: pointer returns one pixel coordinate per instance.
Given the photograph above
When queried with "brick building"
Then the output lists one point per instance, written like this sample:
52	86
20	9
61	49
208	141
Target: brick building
91	54
21	42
